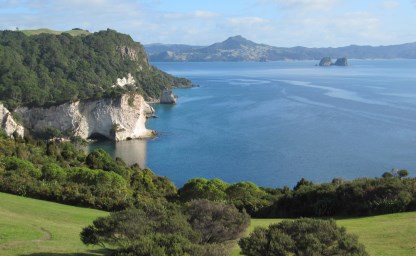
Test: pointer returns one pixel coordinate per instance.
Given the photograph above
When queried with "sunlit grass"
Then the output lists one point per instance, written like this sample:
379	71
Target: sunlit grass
391	234
35	227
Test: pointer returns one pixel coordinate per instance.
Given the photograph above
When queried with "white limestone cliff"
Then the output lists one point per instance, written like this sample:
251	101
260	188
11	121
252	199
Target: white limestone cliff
8	124
117	119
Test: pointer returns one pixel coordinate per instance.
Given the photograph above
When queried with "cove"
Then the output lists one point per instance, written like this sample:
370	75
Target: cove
273	123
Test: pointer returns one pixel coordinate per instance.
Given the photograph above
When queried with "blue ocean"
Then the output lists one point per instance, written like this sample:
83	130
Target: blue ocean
274	123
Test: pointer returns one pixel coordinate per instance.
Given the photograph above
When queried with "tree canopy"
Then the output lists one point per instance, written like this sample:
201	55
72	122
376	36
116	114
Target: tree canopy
47	69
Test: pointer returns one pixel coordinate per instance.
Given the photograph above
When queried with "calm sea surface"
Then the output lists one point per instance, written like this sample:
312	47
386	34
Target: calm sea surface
273	123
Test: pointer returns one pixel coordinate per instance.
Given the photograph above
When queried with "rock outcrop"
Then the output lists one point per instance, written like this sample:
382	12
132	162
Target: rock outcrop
167	97
117	119
325	62
8	124
341	62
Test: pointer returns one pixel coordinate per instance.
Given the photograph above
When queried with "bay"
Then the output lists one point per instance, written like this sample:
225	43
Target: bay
273	123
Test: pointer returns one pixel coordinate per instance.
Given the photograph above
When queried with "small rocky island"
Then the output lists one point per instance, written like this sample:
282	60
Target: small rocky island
327	61
168	97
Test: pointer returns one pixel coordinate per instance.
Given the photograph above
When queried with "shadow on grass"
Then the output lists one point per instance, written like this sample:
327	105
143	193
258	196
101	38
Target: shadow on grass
98	252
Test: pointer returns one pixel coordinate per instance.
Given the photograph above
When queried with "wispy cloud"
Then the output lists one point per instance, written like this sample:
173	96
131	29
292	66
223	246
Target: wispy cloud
191	15
303	4
246	21
390	4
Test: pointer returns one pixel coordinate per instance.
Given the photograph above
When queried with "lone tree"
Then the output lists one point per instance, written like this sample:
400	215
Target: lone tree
403	173
301	237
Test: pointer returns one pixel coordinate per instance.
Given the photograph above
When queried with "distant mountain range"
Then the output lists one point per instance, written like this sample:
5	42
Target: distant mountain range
238	48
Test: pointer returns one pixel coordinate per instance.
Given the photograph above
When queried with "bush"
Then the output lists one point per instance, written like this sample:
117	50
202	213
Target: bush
301	237
52	172
200	188
152	229
21	167
161	228
216	222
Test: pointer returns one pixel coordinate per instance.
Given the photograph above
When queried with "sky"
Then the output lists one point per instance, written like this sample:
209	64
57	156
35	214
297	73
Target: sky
285	23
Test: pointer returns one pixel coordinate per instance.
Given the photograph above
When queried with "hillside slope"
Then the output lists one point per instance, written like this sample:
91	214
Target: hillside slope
36	227
48	69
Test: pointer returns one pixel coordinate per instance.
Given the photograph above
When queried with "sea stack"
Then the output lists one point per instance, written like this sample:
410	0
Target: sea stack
341	62
326	62
167	97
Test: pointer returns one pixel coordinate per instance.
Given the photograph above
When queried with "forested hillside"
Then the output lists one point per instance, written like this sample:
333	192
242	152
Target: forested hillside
47	69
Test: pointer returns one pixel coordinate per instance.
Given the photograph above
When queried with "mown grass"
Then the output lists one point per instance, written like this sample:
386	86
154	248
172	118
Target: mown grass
30	227
75	32
35	227
384	235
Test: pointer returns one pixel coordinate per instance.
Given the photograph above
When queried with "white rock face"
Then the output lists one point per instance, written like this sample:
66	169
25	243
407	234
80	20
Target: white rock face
9	124
167	97
117	119
129	80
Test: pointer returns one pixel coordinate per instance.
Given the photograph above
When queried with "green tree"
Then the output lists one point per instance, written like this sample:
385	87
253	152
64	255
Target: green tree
248	196
301	237
403	173
152	229
216	222
201	188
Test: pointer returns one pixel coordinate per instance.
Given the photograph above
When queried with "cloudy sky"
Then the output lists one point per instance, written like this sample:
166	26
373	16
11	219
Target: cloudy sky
313	23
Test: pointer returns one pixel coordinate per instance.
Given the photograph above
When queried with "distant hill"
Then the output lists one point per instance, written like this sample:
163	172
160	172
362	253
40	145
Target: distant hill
158	48
238	48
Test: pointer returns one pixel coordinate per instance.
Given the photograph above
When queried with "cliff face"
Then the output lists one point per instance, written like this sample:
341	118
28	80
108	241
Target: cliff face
167	97
8	124
116	119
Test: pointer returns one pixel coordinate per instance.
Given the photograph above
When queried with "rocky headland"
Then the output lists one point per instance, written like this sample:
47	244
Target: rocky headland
116	119
93	86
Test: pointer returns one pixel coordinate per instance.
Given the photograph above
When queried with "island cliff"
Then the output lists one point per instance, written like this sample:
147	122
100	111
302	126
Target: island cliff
117	119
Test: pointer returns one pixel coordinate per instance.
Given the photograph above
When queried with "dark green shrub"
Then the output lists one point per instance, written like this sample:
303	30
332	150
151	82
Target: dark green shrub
216	222
301	237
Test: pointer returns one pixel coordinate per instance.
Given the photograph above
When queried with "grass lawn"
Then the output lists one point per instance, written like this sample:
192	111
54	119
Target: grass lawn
30	227
54	32
36	227
391	234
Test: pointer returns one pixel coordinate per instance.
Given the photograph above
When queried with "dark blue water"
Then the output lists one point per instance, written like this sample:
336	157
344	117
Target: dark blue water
273	123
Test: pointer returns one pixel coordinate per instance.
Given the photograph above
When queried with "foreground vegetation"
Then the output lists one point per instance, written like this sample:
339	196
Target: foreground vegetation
21	220
190	219
384	235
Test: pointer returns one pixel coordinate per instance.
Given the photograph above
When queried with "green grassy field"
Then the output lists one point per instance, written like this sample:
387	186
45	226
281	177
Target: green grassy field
54	32
391	234
35	227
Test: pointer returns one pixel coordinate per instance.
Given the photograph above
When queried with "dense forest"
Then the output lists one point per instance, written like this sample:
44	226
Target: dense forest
47	69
